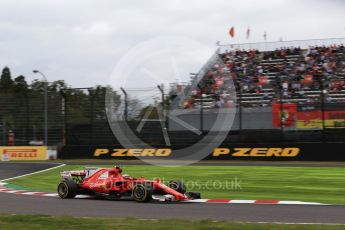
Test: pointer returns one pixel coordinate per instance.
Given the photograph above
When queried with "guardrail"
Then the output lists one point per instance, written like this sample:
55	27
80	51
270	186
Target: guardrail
270	46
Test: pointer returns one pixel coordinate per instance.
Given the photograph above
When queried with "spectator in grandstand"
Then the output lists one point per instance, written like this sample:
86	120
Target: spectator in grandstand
299	72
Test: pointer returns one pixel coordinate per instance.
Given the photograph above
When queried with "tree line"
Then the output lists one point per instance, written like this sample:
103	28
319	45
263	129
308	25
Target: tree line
22	103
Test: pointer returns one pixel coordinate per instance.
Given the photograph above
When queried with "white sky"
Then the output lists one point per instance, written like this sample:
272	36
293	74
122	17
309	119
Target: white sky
81	41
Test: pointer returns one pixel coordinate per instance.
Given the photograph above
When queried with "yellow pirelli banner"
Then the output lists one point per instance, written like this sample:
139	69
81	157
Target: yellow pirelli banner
23	153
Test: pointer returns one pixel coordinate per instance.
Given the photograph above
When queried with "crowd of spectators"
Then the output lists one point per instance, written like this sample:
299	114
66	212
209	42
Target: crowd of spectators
293	74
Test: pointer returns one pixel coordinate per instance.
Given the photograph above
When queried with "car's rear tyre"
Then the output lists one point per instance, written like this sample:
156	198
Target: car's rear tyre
67	189
142	192
177	186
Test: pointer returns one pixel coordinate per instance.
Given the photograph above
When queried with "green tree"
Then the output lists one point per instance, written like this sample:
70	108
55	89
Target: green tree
97	96
6	81
20	85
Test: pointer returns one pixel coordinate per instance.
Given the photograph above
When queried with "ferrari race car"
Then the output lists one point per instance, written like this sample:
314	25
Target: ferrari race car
111	183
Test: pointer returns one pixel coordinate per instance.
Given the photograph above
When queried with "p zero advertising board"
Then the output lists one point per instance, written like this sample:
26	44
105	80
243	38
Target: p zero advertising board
262	151
23	153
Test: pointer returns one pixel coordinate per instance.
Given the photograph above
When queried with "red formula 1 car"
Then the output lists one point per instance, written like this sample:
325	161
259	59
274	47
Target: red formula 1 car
111	183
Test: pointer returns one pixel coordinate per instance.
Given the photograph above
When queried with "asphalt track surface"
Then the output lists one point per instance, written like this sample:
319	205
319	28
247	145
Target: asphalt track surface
20	204
8	170
232	212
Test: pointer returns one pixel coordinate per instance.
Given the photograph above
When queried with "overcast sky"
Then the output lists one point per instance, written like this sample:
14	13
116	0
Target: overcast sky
81	41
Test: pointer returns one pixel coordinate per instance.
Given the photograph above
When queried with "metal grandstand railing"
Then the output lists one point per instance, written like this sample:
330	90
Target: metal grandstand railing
270	46
81	121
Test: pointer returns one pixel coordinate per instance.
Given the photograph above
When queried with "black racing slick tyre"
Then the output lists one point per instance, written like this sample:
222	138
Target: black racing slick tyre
177	186
67	189
142	192
193	195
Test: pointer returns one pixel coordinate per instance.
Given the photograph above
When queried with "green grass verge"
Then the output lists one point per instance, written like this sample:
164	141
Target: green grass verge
325	185
48	222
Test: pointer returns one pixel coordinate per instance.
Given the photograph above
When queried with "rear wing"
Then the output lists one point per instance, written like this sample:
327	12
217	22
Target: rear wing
87	172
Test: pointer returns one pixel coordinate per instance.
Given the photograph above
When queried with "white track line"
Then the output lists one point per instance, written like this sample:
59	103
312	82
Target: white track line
290	223
52	194
197	201
300	202
242	201
12	191
45	170
28	193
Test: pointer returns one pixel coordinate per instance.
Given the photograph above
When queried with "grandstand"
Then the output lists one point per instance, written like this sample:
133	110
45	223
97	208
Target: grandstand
298	74
285	91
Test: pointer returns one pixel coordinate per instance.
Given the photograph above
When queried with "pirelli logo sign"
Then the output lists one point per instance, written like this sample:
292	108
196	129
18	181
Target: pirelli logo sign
23	153
217	152
256	152
133	152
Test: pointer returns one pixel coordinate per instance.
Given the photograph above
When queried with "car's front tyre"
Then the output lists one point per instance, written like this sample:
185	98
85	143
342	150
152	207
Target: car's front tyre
177	186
